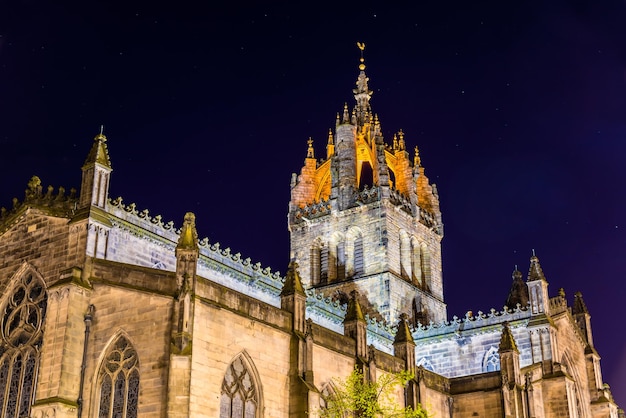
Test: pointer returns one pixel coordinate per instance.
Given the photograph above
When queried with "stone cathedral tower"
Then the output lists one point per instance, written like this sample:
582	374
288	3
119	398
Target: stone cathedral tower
366	218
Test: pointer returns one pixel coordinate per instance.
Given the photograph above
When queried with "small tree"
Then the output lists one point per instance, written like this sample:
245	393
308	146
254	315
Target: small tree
356	397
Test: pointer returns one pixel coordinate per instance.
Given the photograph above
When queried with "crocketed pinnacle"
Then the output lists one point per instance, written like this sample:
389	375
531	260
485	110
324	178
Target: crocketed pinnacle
310	153
293	283
507	341
362	93
403	335
579	305
99	152
188	235
535	272
519	291
354	311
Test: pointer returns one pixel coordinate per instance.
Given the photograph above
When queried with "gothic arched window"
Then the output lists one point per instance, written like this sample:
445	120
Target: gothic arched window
23	315
119	381
240	395
491	361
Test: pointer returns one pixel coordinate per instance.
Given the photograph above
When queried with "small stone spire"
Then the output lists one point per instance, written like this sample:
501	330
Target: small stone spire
519	291
354	325
417	161
401	144
293	282
188	239
403	335
354	311
346	114
94	189
394	144
330	146
99	152
579	305
507	341
310	153
535	272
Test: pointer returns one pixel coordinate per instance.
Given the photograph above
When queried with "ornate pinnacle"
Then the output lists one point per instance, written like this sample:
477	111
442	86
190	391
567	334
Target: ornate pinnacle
310	152
417	161
401	143
188	235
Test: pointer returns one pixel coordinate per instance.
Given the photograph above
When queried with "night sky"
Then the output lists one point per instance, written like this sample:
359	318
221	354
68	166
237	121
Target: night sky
519	110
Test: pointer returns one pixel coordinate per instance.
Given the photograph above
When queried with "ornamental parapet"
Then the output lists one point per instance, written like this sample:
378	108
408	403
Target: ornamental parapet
56	203
398	199
558	304
470	322
427	218
312	211
368	195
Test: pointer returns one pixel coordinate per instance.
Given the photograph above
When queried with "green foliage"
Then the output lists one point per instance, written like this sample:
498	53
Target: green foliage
355	397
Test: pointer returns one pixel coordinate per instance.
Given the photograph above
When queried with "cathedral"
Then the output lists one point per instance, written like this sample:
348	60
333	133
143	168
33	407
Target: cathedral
108	311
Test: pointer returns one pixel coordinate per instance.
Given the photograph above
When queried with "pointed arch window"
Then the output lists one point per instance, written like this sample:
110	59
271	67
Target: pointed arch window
23	315
316	264
240	394
119	381
491	361
359	264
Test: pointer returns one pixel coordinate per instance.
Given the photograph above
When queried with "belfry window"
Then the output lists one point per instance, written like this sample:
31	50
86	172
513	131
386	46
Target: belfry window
22	320
240	397
119	382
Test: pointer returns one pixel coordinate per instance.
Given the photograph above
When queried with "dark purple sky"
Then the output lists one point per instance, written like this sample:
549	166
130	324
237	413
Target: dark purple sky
519	110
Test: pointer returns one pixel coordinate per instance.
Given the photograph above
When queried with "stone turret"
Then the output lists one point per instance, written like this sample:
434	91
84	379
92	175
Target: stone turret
509	355
537	288
97	169
354	325
518	295
293	298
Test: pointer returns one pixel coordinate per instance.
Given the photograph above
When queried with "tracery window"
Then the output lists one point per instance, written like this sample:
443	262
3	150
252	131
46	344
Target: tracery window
240	397
23	315
491	361
119	381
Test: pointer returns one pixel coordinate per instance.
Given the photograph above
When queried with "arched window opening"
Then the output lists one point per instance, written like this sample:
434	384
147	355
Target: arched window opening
491	360
416	264
405	256
367	176
341	261
425	264
22	323
119	381
324	264
316	264
240	395
359	264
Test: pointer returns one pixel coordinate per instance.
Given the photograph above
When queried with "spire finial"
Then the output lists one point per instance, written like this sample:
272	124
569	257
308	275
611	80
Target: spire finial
361	46
100	136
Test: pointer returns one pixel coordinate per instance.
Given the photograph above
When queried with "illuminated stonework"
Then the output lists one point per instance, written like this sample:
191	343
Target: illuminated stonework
367	218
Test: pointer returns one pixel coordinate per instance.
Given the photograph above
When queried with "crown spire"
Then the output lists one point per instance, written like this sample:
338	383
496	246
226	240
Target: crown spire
362	93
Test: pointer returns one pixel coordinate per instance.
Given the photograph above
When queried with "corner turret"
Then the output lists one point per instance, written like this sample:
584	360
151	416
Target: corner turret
94	190
537	288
